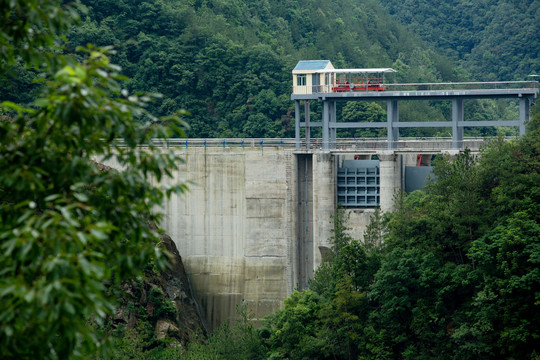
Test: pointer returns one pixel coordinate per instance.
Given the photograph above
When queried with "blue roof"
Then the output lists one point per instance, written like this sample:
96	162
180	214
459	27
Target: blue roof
311	65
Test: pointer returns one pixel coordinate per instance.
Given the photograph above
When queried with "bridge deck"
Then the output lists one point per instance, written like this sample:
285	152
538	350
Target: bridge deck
420	94
428	91
365	145
455	92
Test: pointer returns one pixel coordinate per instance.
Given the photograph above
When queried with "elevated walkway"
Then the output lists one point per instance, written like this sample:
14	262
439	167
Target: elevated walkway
341	145
429	91
523	91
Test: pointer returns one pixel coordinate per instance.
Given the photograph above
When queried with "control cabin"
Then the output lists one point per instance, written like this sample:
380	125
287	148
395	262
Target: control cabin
307	77
320	76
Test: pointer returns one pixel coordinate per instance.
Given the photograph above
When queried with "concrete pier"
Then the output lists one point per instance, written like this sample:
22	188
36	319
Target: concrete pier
390	176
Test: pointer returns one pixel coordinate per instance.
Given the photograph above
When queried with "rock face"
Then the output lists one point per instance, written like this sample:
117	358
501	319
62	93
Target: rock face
162	301
176	286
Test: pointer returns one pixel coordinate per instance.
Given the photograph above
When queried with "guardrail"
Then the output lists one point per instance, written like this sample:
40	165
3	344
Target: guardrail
437	143
490	85
447	86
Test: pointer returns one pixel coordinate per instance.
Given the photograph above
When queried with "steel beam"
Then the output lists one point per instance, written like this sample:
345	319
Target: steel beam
325	127
489	123
308	131
312	124
359	125
333	121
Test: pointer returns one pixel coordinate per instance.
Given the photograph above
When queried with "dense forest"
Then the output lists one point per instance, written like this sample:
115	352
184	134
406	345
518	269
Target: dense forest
493	40
229	62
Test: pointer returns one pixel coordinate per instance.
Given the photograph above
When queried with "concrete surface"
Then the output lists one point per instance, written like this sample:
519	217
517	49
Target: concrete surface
252	226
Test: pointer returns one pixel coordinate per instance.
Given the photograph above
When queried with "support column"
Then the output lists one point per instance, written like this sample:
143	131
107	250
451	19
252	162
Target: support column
308	130
297	123
325	128
392	114
389	177
524	108
457	117
304	245
333	121
324	204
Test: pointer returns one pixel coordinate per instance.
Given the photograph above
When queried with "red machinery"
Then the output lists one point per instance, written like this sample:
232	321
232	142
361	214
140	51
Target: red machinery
342	80
359	84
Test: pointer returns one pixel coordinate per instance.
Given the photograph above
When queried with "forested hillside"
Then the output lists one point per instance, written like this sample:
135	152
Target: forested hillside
229	62
492	39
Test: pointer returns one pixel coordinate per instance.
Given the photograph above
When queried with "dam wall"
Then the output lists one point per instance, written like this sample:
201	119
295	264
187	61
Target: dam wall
256	220
236	228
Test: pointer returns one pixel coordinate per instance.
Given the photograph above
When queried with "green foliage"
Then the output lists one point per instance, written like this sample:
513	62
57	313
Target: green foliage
457	278
295	328
33	26
230	62
67	226
239	340
375	232
491	39
505	306
164	308
133	345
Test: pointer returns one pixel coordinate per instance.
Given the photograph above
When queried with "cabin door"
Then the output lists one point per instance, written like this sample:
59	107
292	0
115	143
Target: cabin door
316	82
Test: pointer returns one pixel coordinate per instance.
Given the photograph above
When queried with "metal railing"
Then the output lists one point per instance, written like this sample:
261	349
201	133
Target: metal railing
436	143
474	85
446	86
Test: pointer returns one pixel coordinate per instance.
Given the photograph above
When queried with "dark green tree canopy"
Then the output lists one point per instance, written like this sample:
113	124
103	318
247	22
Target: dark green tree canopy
68	225
456	275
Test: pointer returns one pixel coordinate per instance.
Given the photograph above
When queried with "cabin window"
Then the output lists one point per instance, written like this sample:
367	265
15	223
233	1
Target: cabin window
301	79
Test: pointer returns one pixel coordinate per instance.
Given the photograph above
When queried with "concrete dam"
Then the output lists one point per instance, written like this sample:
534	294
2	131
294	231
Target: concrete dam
255	220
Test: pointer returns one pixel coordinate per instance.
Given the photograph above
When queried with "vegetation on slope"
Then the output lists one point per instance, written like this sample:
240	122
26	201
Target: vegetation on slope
229	62
67	228
494	39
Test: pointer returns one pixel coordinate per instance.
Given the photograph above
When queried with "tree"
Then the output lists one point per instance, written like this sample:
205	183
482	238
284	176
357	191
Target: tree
375	230
342	282
68	226
505	316
359	111
237	340
295	327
